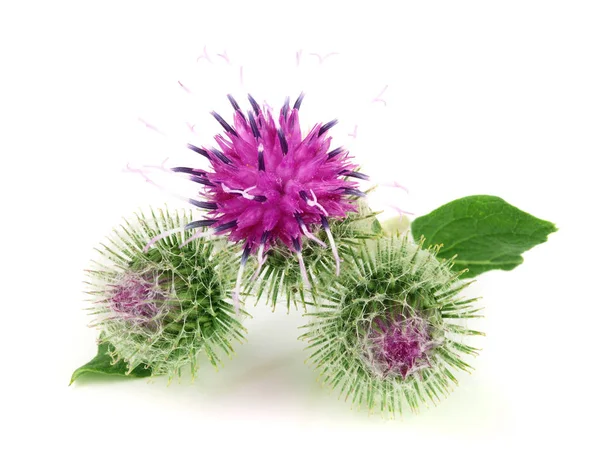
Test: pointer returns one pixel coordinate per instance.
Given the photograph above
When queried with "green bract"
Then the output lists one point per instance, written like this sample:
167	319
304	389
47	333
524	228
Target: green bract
390	331
159	309
280	276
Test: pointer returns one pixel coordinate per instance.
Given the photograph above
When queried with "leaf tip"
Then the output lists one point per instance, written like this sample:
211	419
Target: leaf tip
74	376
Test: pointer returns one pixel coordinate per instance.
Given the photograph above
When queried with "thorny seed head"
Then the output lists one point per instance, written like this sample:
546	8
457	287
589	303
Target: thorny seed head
162	307
391	330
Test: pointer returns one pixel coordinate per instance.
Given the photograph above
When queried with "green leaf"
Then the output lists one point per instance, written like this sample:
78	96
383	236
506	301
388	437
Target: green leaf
483	232
102	363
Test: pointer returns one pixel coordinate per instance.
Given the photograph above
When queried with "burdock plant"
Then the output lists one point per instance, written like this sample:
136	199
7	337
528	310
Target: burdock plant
158	308
389	326
390	332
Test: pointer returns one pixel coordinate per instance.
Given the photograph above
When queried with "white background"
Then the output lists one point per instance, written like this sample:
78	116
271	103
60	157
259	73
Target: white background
488	97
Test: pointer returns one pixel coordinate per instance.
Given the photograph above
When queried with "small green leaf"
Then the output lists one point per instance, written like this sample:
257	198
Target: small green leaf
483	232
102	363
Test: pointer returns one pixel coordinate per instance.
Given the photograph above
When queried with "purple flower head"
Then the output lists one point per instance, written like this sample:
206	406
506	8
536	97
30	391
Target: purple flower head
136	297
269	183
399	347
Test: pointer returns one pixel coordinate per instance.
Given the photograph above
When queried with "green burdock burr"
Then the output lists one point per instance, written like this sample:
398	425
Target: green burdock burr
389	332
161	299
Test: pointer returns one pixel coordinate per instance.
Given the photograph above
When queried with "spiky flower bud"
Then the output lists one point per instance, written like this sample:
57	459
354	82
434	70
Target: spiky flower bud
161	307
391	328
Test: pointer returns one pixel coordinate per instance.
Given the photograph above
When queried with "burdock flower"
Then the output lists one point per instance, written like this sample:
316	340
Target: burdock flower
392	327
269	184
160	308
399	343
138	296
